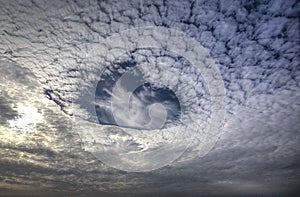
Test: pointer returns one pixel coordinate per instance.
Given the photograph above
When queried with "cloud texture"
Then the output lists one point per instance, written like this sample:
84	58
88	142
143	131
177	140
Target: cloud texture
48	58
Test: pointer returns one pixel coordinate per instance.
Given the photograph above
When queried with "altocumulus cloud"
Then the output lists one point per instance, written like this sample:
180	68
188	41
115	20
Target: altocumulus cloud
44	49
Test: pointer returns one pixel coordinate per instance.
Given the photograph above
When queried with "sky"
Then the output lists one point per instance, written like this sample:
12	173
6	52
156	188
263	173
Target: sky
233	66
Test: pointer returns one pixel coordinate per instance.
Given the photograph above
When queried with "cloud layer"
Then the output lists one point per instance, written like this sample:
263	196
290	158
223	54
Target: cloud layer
46	55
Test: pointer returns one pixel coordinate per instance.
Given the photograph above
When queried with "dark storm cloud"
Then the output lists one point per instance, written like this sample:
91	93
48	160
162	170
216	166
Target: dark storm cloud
257	46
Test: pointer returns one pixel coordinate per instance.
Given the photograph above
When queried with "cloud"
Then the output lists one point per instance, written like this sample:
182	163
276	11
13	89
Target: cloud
45	153
7	112
255	43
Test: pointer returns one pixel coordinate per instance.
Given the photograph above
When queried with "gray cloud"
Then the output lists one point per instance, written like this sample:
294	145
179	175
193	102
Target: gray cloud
7	112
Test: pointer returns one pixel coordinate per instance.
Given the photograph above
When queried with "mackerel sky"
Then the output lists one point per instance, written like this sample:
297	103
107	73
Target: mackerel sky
49	61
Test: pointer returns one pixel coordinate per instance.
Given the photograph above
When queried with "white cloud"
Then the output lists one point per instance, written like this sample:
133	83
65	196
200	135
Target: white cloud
257	46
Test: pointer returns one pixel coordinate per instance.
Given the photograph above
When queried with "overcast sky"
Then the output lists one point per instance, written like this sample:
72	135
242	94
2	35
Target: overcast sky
51	54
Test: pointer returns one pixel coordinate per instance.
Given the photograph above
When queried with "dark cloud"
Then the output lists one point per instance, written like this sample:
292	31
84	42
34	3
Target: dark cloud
7	112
